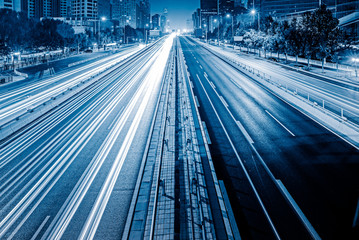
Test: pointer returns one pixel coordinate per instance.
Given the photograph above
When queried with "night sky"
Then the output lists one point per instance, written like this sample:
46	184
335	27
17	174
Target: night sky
178	10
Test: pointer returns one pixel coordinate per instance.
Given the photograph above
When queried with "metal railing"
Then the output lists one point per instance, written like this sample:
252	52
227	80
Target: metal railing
326	106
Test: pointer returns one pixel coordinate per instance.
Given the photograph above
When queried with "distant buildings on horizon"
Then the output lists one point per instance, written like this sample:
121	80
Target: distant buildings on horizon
347	11
135	13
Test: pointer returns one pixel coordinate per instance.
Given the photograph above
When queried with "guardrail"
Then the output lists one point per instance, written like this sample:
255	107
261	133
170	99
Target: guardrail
21	74
327	106
28	115
349	69
340	113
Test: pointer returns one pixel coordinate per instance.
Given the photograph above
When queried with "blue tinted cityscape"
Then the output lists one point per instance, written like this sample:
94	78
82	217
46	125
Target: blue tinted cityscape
181	119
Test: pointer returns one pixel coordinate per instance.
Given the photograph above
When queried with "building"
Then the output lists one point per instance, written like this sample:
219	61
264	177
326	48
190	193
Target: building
208	7
84	9
155	22
60	8
347	11
125	12
143	14
11	4
163	23
196	19
104	8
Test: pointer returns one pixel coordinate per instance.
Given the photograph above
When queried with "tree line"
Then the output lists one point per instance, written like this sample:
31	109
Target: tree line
314	35
20	33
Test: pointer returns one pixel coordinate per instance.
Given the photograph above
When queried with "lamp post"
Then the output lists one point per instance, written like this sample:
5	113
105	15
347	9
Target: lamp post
124	31
253	12
99	30
355	60
228	16
145	35
205	26
217	20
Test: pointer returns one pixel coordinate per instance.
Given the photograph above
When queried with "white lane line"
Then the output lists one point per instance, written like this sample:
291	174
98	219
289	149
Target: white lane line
297	209
244	131
280	123
154	76
40	228
240	162
212	85
200	66
224	101
197	61
205	74
115	119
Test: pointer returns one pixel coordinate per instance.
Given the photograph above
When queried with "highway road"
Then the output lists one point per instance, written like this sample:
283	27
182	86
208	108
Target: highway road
288	176
17	97
71	173
335	92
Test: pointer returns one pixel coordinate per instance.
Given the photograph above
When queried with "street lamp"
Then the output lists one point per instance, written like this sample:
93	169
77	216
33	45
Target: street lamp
124	31
215	20
228	16
99	30
253	12
145	35
355	60
205	25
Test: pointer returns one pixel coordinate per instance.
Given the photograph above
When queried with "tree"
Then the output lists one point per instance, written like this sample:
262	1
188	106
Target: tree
45	35
66	32
4	49
325	26
294	39
309	37
14	29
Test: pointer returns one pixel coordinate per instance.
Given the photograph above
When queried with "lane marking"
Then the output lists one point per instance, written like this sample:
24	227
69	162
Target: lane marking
200	66
244	131
297	209
205	74
241	163
40	228
116	118
223	101
280	123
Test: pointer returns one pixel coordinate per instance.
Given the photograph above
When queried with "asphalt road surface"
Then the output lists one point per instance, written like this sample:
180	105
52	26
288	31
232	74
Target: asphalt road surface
285	153
71	173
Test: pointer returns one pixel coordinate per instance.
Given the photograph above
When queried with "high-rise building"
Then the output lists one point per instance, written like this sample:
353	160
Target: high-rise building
125	12
156	22
163	23
11	4
60	8
84	9
104	8
209	6
196	18
143	13
135	13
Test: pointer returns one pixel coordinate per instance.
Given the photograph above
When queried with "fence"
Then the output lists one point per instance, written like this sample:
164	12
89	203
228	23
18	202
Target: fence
327	106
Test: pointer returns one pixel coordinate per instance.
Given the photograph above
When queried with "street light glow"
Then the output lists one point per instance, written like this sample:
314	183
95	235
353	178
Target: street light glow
228	15
355	59
253	11
103	19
